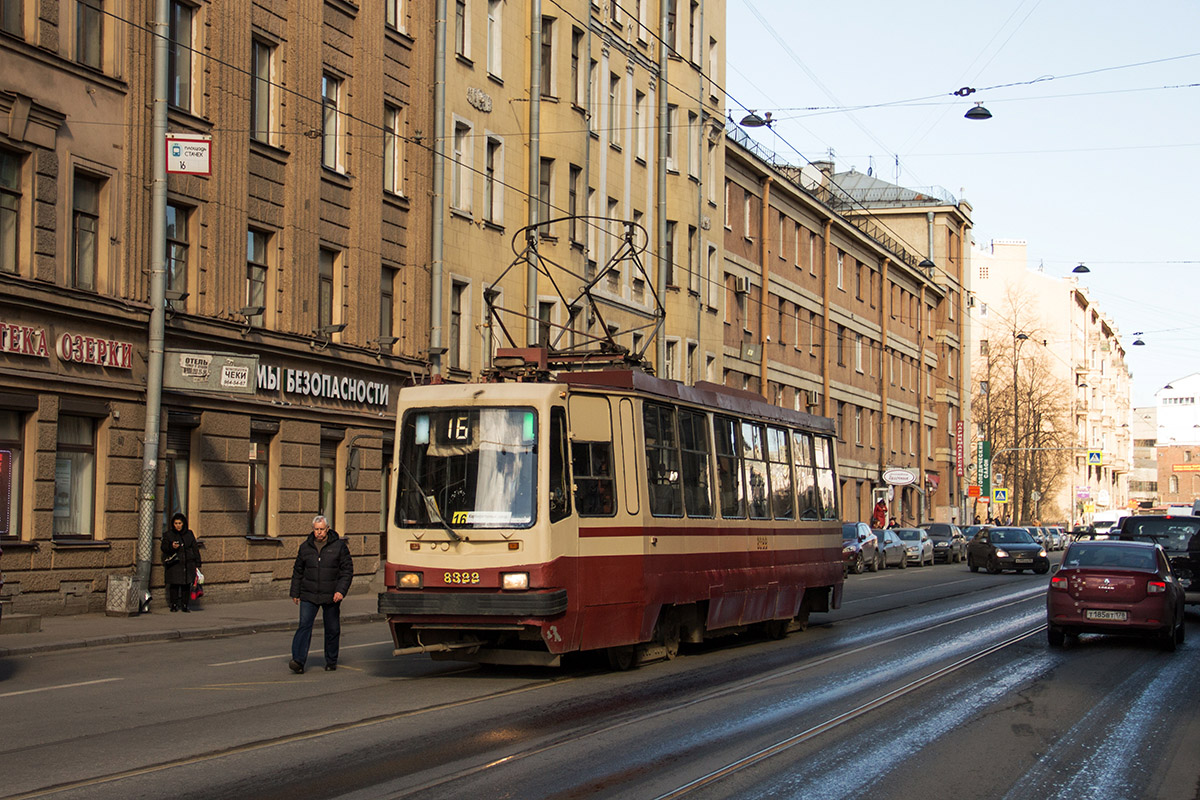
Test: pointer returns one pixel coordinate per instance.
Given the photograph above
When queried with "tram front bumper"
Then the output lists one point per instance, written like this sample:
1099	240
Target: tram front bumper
473	604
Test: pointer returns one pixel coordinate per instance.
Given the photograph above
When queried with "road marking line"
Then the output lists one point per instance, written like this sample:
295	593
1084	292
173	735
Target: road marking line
288	655
61	686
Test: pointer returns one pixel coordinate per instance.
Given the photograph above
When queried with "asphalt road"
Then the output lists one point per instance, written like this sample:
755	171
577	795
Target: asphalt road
931	682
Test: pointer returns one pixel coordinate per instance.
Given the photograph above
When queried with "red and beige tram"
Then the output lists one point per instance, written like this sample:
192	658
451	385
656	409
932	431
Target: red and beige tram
605	510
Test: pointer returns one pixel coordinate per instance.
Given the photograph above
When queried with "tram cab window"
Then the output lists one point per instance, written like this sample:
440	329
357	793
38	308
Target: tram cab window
591	463
560	493
662	461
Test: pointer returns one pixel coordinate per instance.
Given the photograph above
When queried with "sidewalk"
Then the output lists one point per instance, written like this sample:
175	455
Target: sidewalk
212	619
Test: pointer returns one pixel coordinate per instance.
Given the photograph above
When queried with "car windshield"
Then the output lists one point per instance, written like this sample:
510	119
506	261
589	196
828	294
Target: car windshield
1011	536
1171	533
1096	554
909	534
474	467
935	533
850	530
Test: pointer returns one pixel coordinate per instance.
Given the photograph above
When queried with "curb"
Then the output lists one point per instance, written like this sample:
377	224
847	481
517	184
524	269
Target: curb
214	632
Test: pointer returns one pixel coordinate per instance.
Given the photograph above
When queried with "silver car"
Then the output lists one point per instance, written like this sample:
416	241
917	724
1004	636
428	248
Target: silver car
917	545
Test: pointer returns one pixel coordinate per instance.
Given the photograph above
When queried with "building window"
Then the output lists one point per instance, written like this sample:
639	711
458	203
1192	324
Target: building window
393	152
85	230
258	495
639	125
614	109
858	352
328	259
460	28
179	447
592	117
89	32
261	56
575	176
10	209
256	275
458	291
547	57
672	360
460	177
11	472
493	180
545	323
670	40
330	90
841	269
387	305
545	173
577	87
394	14
75	477
177	251
669	252
12	14
495	37
693	267
693	143
179	64
672	121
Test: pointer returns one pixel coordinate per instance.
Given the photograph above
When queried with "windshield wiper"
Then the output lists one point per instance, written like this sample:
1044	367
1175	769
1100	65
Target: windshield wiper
431	506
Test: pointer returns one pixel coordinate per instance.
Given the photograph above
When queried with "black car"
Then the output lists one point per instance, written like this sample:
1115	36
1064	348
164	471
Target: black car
859	548
949	544
1179	537
996	549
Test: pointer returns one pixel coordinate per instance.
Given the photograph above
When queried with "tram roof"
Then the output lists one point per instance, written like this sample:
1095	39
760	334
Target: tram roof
703	393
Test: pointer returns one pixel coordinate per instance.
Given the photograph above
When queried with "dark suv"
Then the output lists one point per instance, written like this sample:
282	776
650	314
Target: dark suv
949	544
1179	537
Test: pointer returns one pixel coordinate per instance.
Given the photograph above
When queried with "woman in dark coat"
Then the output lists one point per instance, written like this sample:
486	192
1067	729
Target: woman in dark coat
181	559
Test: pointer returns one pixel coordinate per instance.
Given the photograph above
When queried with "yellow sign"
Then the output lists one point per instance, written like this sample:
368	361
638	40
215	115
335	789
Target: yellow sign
999	495
1185	468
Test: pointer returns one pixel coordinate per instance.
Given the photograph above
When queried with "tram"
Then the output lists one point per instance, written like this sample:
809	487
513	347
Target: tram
604	510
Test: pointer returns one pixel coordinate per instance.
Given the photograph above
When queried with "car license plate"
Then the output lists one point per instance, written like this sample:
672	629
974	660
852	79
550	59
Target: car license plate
1024	560
1116	616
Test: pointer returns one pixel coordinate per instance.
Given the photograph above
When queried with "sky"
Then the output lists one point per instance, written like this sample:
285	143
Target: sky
1092	154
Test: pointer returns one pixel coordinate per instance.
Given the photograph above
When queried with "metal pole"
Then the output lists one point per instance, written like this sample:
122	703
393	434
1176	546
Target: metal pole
437	232
663	255
535	164
1016	462
158	286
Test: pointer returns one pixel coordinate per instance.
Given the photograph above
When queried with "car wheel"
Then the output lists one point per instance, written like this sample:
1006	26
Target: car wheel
1042	569
1168	640
1180	632
874	565
858	565
904	562
993	568
1055	636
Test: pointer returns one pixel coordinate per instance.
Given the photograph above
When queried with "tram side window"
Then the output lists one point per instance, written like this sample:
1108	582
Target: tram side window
693	440
806	477
826	480
729	471
781	473
662	460
591	463
754	453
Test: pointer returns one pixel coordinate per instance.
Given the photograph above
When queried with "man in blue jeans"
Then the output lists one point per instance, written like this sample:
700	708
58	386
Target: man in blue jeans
320	579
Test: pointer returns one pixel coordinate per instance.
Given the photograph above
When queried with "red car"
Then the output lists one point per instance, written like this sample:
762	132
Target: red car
1115	587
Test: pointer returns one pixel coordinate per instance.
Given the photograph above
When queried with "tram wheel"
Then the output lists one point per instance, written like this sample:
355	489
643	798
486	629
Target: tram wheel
668	633
622	658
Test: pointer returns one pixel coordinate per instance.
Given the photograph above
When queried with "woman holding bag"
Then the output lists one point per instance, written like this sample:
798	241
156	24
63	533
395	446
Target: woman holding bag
181	559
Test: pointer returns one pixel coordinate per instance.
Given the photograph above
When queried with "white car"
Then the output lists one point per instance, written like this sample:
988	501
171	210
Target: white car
917	545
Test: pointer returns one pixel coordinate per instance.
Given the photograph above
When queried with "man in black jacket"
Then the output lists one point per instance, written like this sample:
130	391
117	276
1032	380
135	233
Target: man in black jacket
320	579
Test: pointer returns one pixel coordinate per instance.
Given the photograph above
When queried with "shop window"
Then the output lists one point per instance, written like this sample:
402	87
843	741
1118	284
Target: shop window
331	438
11	461
75	478
258	501
177	464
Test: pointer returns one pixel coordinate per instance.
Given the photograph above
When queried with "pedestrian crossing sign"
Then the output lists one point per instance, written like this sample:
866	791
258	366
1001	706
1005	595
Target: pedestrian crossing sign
1095	458
1000	495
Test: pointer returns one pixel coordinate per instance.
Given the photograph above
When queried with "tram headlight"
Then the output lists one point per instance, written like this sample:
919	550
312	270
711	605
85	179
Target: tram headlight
409	580
514	581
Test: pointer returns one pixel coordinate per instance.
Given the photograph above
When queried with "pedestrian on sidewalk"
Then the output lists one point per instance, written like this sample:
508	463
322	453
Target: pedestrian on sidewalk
181	559
320	579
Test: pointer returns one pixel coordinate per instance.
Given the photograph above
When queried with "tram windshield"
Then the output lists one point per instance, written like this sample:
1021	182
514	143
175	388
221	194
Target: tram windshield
472	467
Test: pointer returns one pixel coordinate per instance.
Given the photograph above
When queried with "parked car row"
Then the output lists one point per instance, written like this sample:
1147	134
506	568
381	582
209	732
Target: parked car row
872	549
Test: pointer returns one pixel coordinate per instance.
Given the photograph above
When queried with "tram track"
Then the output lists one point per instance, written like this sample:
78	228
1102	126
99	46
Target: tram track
854	645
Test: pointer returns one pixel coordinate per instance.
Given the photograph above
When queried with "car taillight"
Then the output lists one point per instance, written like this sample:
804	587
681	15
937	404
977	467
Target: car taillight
1155	587
1058	582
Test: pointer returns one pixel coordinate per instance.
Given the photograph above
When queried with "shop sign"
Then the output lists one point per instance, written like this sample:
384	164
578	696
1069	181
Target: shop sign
899	477
321	385
95	351
23	340
209	372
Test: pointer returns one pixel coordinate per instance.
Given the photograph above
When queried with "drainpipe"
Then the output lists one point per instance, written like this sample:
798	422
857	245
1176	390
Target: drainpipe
825	329
535	163
157	333
663	255
439	193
